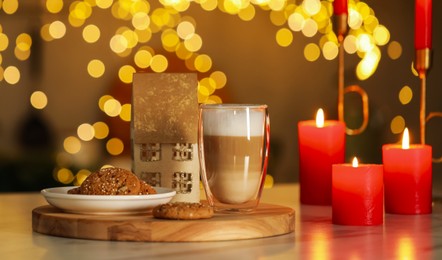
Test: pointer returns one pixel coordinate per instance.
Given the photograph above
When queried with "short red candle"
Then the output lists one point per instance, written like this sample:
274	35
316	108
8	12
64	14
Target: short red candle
340	7
358	195
319	149
423	24
407	179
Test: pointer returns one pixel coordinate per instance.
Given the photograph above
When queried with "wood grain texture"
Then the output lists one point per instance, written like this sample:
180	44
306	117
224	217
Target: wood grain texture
268	220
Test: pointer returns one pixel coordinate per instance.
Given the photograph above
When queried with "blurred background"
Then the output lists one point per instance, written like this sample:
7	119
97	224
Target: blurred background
66	71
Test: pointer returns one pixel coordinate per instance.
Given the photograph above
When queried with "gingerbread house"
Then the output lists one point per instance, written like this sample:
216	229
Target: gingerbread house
164	132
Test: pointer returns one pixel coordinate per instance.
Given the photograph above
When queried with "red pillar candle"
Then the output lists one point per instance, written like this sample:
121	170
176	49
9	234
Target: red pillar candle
321	144
407	177
340	7
423	24
357	194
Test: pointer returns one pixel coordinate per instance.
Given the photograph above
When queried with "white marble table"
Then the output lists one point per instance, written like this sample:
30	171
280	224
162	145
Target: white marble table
315	237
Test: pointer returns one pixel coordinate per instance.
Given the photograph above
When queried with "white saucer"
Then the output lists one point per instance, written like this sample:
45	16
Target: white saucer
105	204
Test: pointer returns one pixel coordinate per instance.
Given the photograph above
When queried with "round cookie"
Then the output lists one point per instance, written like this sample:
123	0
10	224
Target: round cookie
183	211
146	188
111	181
76	190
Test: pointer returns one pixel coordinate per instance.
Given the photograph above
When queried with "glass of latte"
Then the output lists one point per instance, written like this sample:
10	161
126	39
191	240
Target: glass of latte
233	145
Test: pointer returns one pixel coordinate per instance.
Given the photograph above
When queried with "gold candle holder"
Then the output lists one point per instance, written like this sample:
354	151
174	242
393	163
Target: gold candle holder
340	27
422	64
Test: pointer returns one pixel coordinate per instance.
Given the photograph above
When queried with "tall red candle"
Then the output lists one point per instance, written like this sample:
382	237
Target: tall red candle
319	148
407	178
340	7
357	194
423	24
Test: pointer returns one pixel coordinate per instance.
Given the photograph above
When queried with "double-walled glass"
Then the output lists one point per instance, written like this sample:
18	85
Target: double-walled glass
233	141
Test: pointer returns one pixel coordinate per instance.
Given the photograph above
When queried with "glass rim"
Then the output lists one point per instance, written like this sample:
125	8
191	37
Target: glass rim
232	105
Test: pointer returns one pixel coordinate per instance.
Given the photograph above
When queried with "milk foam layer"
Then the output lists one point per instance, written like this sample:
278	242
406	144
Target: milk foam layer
230	122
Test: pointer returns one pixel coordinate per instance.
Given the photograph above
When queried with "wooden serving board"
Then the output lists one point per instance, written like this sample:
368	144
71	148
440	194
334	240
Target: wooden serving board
267	220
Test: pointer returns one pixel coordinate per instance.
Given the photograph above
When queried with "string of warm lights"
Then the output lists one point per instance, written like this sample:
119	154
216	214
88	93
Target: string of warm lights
140	21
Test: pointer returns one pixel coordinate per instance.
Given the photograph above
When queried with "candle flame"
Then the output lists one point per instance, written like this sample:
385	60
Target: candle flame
355	162
320	118
406	139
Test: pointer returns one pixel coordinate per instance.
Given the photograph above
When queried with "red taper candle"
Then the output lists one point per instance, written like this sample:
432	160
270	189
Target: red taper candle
357	194
321	144
407	177
423	24
340	7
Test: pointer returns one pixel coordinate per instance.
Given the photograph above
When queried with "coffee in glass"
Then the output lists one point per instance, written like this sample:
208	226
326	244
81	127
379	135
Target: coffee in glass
233	144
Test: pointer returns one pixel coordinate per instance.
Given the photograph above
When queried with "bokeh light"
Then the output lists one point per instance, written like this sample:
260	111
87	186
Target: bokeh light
193	43
142	58
118	43
95	68
72	144
125	73
125	113
91	33
23	42
310	28
405	95
220	79
114	146
103	99
354	19
104	4
278	18
394	50
330	50
64	175
85	132
381	35
112	107
54	6
4	41
248	13
140	22
9	6
311	7
185	29
367	66
203	63
22	54
365	42
39	100
209	86
81	176
170	39
296	22
284	37
397	125
312	52
44	33
159	63
351	44
57	29
101	130
11	75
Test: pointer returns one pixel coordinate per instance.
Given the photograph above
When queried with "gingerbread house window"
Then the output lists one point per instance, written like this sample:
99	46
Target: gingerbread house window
182	152
150	152
182	182
152	178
